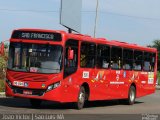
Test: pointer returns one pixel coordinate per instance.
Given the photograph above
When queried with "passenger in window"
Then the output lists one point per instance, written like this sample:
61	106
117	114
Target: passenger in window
114	65
105	64
137	66
126	67
147	66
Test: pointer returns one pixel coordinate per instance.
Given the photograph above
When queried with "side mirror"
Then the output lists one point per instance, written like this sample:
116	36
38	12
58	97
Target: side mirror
70	54
2	49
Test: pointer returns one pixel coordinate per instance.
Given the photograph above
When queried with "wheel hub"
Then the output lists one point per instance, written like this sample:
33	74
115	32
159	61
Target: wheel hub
81	97
132	96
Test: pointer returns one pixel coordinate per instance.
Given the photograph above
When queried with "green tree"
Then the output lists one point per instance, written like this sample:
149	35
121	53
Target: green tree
3	63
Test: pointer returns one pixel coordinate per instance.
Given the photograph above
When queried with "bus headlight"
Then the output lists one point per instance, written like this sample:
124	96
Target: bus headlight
53	86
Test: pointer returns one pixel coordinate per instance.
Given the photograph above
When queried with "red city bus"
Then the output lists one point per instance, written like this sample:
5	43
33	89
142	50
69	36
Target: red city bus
64	67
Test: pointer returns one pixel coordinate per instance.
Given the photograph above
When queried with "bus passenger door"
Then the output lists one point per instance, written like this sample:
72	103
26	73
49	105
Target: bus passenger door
70	69
71	57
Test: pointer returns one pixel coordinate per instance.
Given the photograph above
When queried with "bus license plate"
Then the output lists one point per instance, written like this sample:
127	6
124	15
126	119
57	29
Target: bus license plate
27	92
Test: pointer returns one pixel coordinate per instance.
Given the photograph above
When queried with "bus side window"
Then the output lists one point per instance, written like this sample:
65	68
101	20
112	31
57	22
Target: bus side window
87	58
138	60
103	56
116	58
70	65
147	61
127	59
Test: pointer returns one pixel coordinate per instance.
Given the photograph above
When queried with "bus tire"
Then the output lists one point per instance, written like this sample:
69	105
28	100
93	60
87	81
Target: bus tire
131	95
81	98
35	103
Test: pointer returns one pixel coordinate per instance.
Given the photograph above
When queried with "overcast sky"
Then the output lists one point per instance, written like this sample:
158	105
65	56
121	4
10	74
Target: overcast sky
133	21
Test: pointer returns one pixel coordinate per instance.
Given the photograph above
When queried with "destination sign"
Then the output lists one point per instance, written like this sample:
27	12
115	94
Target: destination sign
32	35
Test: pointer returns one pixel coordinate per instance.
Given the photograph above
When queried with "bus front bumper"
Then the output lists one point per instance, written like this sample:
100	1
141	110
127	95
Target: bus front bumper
58	94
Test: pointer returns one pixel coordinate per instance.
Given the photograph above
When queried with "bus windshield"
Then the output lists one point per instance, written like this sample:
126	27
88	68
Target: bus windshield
37	58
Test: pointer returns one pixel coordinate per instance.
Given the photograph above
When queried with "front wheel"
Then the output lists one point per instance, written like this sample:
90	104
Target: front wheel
81	99
131	95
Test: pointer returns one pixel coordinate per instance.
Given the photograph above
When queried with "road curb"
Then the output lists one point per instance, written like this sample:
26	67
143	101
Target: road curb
2	94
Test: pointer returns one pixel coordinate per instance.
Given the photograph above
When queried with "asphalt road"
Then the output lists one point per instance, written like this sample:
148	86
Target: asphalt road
148	106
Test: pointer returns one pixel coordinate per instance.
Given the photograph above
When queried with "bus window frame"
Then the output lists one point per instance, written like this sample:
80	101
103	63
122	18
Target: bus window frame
95	54
109	64
66	53
153	55
134	61
129	49
121	60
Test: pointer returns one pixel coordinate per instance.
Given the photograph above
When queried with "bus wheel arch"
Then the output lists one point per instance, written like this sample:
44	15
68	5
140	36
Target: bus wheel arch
87	90
83	96
134	85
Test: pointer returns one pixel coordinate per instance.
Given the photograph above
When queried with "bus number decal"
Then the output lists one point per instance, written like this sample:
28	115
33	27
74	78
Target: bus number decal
85	74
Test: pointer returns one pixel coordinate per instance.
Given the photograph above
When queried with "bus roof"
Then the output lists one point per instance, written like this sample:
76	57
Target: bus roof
88	38
110	42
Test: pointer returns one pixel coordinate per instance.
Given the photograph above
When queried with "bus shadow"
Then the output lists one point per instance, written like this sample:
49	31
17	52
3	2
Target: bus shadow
24	103
105	103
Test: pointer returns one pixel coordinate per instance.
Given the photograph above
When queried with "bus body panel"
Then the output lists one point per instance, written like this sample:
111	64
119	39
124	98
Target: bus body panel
67	92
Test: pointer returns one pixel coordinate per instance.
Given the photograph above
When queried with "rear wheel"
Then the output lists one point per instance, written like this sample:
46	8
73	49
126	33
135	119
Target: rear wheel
35	102
131	95
81	99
